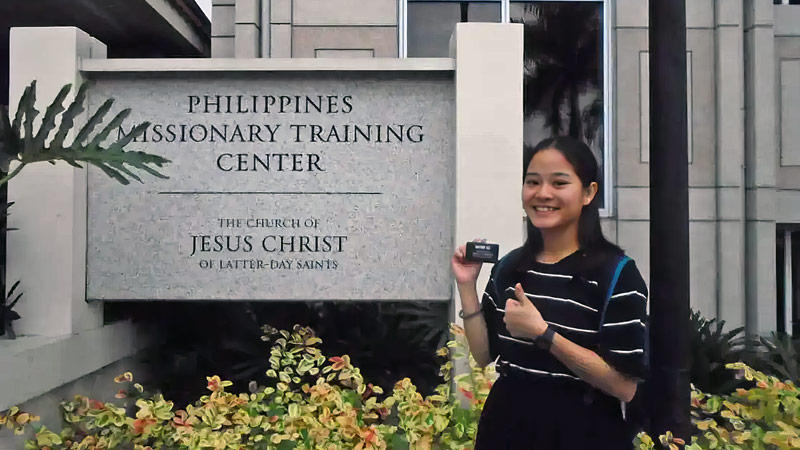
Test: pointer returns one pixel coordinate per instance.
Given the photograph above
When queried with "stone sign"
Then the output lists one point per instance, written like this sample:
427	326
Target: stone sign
281	187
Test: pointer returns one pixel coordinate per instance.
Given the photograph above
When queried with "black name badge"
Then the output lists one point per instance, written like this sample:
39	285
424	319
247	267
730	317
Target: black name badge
482	252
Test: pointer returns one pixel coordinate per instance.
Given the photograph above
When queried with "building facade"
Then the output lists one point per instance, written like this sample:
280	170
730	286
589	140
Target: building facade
743	80
130	29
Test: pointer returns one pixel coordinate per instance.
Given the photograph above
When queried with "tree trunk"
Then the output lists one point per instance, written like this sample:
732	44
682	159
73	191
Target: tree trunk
574	113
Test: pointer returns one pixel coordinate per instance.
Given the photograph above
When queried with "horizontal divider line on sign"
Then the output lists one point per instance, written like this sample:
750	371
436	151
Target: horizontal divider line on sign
263	193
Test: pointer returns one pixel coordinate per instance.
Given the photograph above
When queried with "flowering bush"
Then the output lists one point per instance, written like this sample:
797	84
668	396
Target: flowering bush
764	417
316	403
320	403
17	420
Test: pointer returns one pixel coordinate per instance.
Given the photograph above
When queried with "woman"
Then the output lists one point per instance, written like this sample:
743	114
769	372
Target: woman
564	316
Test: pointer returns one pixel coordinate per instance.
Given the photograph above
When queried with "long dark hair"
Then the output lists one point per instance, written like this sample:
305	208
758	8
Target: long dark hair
590	234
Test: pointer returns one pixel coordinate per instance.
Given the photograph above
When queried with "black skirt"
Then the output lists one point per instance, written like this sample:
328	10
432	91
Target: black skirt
526	412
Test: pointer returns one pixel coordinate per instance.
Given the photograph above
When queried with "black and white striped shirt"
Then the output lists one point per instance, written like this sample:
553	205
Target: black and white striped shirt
570	298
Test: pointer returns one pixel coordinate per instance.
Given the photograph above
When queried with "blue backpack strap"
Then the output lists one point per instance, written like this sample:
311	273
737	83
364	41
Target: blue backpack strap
499	267
623	260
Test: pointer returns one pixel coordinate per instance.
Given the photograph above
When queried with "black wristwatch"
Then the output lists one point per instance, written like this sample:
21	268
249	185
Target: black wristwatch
545	340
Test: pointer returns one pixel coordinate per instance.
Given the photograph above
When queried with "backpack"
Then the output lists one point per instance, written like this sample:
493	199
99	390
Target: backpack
635	411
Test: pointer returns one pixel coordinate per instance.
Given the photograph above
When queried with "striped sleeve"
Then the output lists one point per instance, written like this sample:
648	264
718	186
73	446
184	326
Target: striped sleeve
491	312
623	332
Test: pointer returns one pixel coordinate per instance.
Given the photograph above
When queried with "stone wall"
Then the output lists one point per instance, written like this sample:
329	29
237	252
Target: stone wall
304	29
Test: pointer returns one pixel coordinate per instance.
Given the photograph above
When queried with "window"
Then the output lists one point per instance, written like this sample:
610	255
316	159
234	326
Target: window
566	63
786	2
564	72
787	277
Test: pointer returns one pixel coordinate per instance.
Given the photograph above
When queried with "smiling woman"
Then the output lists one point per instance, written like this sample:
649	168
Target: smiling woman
564	316
552	194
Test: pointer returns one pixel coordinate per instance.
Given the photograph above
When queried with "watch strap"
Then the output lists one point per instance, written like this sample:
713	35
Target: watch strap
546	339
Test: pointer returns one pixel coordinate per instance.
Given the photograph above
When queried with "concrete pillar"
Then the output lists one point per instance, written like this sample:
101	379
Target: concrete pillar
280	28
222	28
760	158
631	172
700	45
488	136
248	29
266	29
48	251
729	73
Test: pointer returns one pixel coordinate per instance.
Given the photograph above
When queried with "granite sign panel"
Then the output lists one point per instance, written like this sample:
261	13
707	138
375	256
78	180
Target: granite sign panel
294	186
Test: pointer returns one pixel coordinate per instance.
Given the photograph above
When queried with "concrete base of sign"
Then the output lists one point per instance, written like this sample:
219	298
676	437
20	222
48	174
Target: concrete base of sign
42	371
34	365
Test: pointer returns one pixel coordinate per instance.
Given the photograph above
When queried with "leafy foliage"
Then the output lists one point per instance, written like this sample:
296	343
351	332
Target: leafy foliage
711	349
7	313
24	140
4	207
779	356
17	420
21	142
408	334
314	402
764	417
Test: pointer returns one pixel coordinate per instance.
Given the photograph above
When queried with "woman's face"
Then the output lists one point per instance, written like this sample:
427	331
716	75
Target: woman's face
552	194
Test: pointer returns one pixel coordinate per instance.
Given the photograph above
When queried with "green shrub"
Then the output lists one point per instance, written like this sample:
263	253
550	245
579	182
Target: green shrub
764	417
315	403
778	355
320	403
711	348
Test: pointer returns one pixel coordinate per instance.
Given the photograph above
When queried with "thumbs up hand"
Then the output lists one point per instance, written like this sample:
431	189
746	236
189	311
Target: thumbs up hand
522	318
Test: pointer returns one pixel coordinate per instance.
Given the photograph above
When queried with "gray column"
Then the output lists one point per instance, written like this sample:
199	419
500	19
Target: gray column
488	59
729	72
787	281
760	158
266	36
48	251
701	84
248	29
631	171
222	28
280	29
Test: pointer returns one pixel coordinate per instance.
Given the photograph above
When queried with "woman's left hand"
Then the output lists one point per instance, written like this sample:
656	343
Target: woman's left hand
522	318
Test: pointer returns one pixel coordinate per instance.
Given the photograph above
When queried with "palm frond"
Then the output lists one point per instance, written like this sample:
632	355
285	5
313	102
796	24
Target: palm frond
562	57
13	303
21	143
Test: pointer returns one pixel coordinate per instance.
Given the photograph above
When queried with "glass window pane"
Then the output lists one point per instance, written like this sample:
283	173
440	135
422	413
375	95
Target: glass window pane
430	24
564	72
